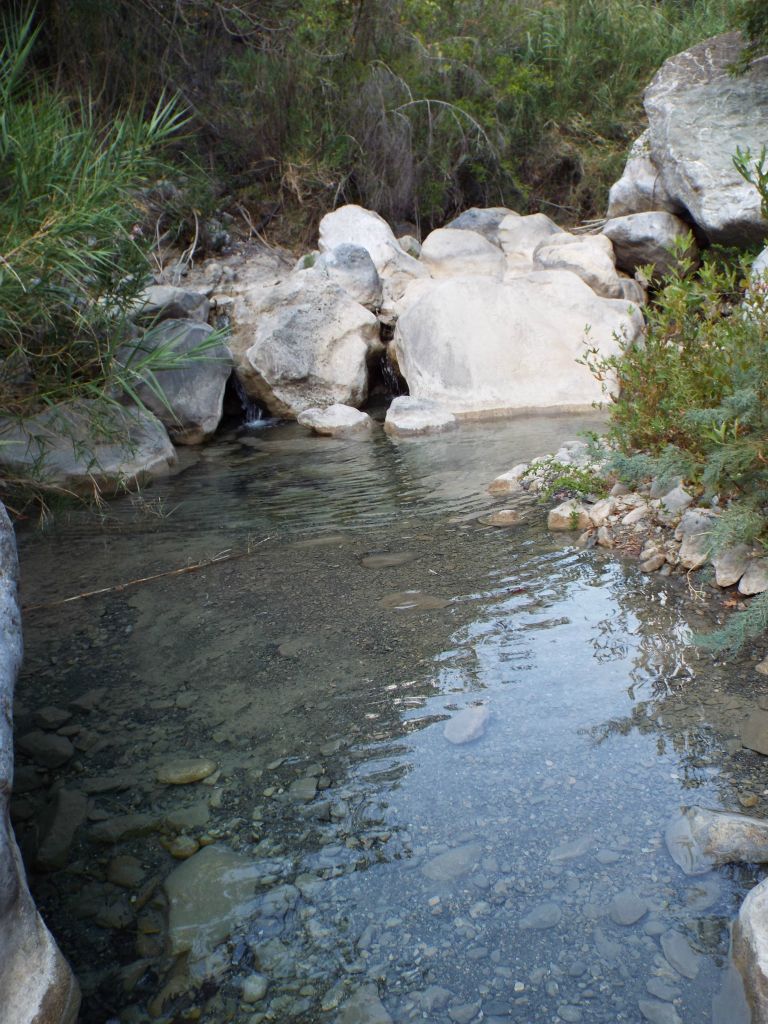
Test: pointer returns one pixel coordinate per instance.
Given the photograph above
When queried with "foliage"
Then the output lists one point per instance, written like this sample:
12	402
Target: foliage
556	477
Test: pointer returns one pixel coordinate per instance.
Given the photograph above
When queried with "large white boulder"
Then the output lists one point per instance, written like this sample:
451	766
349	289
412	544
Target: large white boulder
36	984
520	236
481	347
643	238
640	187
699	113
589	256
484	220
352	268
449	252
194	391
305	343
356	226
85	445
336	421
407	416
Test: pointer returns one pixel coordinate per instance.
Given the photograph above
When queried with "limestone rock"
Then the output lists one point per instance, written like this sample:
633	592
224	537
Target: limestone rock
750	949
643	238
305	344
84	445
409	416
699	839
450	252
467	725
640	188
508	483
570	515
755	578
194	391
481	347
731	564
351	267
693	530
162	302
448	866
36	983
336	421
588	256
698	114
519	236
485	221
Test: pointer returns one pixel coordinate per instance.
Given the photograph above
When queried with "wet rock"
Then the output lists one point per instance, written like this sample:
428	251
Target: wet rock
570	1014
502	517
182	771
662	989
464	1013
387	559
572	850
45	749
654	562
468	725
27	779
50	717
545	915
336	421
434	998
679	954
209	895
125	871
192	816
601	510
699	839
754	732
63	817
731	564
571	515
183	847
408	416
364	1007
254	988
658	1013
627	908
452	864
606	947
755	578
124	826
509	483
303	790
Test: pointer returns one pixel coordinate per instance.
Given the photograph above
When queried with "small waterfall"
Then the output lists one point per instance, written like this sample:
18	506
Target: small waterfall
254	414
392	383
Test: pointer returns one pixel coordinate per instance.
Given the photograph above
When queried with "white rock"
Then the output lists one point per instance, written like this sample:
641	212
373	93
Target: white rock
643	238
305	344
731	564
449	252
640	188
519	236
635	516
508	483
750	949
601	510
486	348
485	221
589	256
407	415
570	515
755	578
161	301
467	725
336	421
410	245
693	531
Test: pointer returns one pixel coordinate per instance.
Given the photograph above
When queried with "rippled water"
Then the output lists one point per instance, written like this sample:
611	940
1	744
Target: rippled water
349	849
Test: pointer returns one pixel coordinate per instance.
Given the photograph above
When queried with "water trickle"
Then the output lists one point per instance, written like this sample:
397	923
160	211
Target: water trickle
254	413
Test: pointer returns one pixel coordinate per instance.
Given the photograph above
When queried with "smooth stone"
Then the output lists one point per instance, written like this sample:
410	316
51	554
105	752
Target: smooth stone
209	895
48	750
699	839
254	988
336	421
407	416
627	907
182	771
509	482
448	866
303	790
662	989
570	515
464	1013
679	954
468	725
545	915
124	826
750	949
192	816
412	600
754	732
183	847
387	559
502	517
125	871
571	850
50	717
570	1014
364	1007
755	578
63	817
658	1013
731	564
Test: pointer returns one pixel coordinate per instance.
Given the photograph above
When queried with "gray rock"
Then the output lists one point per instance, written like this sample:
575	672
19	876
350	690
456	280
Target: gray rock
731	564
658	1013
448	866
303	790
699	839
643	238
572	850
693	530
545	915
570	1014
194	389
125	871
673	503
467	725
640	187
351	267
254	988
85	445
364	1007
662	989
410	416
679	954
754	732
464	1012
36	983
485	221
50	751
755	578
124	826
51	718
698	114
627	908
61	820
336	421
750	949
162	302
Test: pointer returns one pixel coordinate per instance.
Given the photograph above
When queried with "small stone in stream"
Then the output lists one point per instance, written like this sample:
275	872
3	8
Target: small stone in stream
754	732
364	1007
433	998
571	515
183	847
182	771
607	948
387	559
605	537
502	517
749	799
658	1013
125	871
124	826
679	954
452	864
89	700
192	816
117	915
699	839
254	988
50	717
654	563
607	856
545	915
637	515
654	926
662	989
572	850
570	1014
468	725
627	908
464	1013
26	779
45	749
510	482
762	667
303	790
61	820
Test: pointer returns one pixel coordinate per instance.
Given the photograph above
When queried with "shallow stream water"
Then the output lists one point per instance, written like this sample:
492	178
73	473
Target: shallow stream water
347	849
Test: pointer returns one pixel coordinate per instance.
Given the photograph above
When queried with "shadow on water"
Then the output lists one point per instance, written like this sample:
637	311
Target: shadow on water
342	841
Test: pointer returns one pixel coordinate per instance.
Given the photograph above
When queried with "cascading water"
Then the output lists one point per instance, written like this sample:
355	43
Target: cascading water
254	414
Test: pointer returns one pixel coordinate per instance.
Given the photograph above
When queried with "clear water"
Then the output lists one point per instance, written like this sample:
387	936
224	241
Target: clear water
296	662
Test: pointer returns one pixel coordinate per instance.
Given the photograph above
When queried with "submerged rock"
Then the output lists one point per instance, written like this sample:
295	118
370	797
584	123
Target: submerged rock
545	915
468	725
679	954
182	771
448	866
364	1007
699	839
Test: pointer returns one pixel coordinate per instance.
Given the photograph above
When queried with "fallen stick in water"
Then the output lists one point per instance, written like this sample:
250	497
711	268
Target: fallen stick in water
224	556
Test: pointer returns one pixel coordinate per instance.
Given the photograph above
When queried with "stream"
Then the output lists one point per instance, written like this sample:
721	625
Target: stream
338	858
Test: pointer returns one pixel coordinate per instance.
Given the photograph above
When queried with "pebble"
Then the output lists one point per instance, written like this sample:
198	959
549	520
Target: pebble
571	1014
447	867
627	907
662	989
502	517
464	1013
303	790
364	1007
183	846
63	817
545	915
125	871
679	954
659	1013
572	850
254	988
467	725
182	771
51	718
